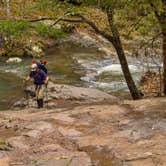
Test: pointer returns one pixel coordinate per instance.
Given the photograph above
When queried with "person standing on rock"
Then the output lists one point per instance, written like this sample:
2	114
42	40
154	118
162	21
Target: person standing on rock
40	80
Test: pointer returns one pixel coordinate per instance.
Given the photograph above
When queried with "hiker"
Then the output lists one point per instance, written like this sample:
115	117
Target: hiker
40	80
41	64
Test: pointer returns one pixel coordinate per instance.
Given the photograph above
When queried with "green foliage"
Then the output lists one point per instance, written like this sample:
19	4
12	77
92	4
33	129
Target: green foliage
13	28
45	5
48	31
116	4
22	28
52	5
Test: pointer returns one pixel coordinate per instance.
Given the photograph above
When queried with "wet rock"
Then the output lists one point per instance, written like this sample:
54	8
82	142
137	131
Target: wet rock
14	60
20	104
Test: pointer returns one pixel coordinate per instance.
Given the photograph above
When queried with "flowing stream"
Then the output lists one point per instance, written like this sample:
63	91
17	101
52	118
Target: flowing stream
72	65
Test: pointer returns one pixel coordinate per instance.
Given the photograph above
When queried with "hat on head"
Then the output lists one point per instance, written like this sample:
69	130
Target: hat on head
33	67
33	61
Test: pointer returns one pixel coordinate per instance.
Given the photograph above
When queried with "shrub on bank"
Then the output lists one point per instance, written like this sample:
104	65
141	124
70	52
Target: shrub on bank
19	37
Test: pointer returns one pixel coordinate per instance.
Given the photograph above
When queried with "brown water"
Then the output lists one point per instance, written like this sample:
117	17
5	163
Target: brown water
10	89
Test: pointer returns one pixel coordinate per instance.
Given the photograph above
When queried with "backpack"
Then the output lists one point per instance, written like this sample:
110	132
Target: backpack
41	64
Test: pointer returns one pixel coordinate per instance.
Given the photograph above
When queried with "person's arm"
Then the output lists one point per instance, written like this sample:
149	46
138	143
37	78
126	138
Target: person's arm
46	80
27	78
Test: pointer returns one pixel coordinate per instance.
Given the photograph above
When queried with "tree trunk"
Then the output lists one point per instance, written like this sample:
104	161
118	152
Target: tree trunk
161	17
164	58
122	58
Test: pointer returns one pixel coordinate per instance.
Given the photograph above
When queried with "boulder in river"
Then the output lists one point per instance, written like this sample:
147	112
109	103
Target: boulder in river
67	94
14	60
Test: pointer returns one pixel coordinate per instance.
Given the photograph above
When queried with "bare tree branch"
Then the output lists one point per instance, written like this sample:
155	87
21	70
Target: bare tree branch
74	21
151	40
42	19
87	21
134	25
155	10
61	17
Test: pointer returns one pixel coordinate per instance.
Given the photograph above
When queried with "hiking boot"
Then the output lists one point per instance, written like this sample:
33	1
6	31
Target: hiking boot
40	103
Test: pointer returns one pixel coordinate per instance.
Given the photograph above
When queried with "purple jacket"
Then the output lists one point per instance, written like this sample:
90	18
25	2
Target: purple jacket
39	77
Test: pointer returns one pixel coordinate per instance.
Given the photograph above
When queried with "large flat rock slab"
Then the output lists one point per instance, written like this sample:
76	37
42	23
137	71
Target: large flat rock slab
66	95
98	134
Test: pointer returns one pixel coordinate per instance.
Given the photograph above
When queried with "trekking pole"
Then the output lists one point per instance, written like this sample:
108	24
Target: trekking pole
46	96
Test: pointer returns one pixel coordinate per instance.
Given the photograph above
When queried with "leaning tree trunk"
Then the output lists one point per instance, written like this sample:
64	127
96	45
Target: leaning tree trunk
122	58
164	58
162	20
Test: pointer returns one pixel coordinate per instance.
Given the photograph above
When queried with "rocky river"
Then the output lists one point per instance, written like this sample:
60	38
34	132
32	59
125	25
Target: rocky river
72	65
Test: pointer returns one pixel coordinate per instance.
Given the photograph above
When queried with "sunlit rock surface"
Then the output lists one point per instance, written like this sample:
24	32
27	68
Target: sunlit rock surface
132	133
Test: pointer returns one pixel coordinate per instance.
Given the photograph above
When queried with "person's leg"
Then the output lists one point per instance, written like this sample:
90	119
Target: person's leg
40	103
37	89
41	95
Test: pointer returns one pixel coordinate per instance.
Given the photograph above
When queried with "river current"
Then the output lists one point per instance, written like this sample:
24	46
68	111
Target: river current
71	65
